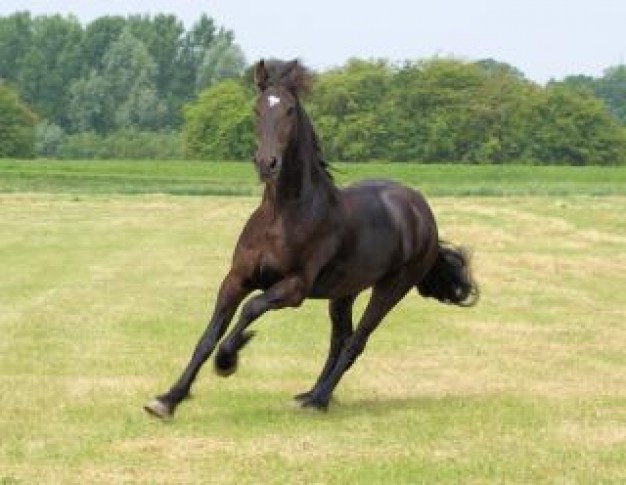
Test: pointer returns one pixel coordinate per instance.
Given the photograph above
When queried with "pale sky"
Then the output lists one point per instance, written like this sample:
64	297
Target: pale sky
543	38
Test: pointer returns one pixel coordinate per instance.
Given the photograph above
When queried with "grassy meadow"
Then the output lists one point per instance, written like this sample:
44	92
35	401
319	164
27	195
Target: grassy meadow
103	295
239	178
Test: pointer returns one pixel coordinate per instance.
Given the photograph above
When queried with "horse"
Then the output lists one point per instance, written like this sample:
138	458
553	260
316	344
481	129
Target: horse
309	238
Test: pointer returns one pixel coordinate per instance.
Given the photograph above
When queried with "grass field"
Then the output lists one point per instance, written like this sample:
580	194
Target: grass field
232	178
103	296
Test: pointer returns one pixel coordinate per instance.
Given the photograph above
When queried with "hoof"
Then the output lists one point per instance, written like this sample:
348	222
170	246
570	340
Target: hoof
303	396
159	409
314	403
225	363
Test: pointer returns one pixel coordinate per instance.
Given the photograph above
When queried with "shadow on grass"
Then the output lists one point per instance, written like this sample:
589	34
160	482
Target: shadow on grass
247	408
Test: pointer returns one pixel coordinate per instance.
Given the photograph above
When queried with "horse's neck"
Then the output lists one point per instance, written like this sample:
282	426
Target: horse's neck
303	180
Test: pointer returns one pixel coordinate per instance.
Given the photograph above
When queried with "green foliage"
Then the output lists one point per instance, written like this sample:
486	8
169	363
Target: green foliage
41	56
135	72
123	144
436	110
89	109
15	39
351	105
433	102
222	60
161	35
611	88
84	145
48	139
17	133
447	110
574	128
123	94
97	38
220	125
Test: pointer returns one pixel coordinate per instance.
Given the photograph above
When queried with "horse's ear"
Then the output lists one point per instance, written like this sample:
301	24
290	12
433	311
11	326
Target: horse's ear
261	75
296	77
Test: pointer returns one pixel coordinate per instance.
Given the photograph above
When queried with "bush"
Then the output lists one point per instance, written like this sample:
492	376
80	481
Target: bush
128	144
448	110
17	126
574	128
219	124
48	139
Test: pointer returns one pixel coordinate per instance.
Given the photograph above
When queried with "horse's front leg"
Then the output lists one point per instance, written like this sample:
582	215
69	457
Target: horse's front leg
288	292
232	292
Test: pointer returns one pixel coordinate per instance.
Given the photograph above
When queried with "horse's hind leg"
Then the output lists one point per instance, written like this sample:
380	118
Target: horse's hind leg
341	318
385	295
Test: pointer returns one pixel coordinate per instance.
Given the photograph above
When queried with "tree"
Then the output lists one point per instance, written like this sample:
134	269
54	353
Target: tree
122	94
48	139
497	68
222	60
40	57
129	73
51	60
17	122
448	110
575	128
612	89
162	36
433	102
219	124
351	109
190	56
15	39
97	39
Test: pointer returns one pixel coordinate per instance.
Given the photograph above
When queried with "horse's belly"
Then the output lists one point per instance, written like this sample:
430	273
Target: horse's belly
351	272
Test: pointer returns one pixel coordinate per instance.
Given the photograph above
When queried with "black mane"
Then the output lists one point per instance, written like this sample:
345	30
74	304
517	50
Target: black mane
319	158
290	74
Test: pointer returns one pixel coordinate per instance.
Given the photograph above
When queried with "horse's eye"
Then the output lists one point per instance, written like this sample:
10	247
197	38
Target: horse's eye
291	110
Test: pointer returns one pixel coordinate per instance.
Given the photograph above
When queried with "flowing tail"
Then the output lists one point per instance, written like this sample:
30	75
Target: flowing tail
450	278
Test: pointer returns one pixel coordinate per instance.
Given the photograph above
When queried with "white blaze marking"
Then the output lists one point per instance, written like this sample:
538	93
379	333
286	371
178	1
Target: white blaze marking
273	100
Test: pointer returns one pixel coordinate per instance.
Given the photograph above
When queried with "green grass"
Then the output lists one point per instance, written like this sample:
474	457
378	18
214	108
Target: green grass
103	296
239	178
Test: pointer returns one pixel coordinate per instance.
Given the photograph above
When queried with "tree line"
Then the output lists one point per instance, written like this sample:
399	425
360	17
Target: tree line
113	78
433	110
145	87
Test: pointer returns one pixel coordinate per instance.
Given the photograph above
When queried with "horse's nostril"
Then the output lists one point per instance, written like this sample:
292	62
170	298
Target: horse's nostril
273	163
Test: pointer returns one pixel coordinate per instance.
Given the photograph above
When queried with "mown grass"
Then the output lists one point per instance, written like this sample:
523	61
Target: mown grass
239	178
102	298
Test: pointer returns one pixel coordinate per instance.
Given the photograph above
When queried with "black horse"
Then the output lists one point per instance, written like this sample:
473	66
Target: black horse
310	239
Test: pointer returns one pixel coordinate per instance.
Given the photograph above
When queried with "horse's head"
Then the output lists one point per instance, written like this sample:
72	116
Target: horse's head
277	113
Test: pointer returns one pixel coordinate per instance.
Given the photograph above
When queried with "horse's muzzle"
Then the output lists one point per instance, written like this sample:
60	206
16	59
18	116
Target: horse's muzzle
269	168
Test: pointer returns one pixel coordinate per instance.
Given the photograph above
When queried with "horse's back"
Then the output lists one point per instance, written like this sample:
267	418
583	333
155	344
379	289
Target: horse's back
407	207
381	187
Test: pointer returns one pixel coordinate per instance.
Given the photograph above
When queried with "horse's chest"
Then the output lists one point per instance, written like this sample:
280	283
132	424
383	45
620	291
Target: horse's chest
274	258
275	251
273	245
